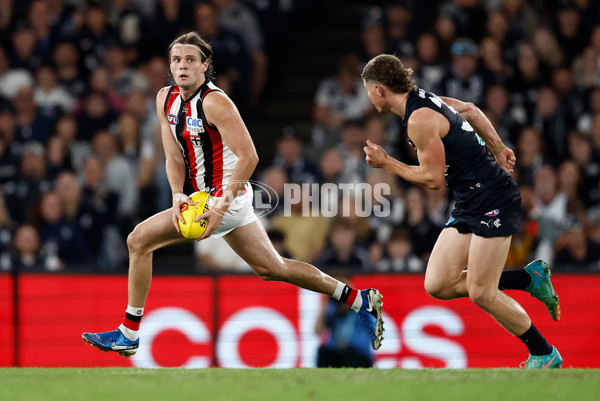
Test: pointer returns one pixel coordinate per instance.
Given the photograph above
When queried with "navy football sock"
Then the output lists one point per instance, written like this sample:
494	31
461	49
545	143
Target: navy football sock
517	279
535	342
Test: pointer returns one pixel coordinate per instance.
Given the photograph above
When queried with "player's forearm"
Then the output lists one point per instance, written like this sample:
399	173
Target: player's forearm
483	126
175	175
415	174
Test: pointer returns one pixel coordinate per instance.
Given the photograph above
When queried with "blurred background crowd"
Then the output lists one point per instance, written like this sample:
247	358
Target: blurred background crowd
81	160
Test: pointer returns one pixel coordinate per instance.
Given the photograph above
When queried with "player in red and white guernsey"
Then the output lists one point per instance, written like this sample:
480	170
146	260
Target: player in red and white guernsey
208	148
208	159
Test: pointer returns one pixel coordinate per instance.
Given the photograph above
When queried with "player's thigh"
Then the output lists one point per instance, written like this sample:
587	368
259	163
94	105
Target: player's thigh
252	244
155	232
487	257
448	259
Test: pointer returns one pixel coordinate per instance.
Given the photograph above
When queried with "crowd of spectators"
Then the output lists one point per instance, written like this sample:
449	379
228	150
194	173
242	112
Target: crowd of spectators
533	68
81	160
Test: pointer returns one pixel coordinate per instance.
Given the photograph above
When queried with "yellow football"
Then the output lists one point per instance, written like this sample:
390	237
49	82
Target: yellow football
194	229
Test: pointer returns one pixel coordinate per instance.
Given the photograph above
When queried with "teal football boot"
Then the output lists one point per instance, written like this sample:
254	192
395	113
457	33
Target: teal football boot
541	287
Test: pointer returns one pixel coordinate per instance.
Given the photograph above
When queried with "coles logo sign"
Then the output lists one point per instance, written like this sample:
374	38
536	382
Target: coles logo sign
241	322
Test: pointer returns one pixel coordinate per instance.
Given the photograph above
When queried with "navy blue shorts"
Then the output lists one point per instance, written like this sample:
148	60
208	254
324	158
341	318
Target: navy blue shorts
488	208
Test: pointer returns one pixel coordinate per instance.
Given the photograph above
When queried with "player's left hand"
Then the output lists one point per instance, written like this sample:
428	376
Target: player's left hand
375	155
213	221
507	159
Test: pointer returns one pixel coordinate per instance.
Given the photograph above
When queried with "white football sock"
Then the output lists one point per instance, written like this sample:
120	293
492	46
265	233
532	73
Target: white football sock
132	310
338	291
130	334
357	302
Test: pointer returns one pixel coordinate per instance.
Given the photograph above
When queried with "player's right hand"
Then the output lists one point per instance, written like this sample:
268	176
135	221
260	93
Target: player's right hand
179	199
375	155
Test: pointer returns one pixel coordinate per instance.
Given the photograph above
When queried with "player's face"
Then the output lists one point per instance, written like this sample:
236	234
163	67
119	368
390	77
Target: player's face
376	96
187	66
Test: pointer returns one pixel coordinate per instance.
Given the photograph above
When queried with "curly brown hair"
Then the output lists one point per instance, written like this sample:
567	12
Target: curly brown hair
388	70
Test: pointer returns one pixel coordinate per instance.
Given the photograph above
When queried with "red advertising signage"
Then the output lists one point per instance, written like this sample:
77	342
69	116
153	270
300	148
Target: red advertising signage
241	321
7	352
424	332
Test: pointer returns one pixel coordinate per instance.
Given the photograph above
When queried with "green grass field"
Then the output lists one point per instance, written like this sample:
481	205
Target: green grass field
24	384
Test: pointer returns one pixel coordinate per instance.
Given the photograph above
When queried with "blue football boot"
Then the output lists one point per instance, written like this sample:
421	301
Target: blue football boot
541	287
370	316
551	361
112	341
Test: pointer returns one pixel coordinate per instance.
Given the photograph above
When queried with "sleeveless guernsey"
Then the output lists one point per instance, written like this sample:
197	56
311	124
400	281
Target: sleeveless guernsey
209	161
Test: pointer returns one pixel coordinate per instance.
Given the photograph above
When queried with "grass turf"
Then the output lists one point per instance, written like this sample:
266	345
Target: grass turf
45	384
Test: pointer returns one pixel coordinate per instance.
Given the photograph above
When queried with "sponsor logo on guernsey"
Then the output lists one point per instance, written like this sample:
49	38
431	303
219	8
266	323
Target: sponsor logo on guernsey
194	124
173	119
493	213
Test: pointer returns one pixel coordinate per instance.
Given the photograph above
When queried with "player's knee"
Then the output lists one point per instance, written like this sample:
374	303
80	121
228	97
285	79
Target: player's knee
481	296
266	273
135	240
435	288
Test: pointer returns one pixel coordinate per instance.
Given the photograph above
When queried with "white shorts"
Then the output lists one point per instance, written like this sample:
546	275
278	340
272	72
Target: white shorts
240	213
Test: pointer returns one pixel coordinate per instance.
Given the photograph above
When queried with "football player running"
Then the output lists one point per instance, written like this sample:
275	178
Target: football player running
208	148
456	143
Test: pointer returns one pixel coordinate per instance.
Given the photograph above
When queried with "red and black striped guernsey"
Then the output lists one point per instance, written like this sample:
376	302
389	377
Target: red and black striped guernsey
208	159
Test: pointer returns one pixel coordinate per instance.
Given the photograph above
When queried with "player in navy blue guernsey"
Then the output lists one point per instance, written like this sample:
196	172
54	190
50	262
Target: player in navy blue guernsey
457	144
208	148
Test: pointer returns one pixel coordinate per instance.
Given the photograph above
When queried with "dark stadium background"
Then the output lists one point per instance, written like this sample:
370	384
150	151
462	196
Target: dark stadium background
63	257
